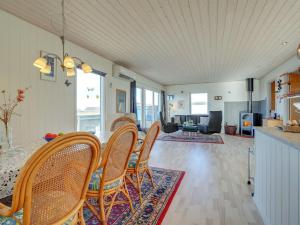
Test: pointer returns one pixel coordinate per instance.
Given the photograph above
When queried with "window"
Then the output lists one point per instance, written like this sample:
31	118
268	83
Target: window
139	105
148	106
198	103
90	100
156	107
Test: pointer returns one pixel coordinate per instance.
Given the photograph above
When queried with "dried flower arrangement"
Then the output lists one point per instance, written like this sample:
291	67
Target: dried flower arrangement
8	107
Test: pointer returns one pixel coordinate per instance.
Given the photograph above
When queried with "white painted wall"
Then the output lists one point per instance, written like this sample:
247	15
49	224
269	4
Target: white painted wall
230	92
116	83
49	106
281	106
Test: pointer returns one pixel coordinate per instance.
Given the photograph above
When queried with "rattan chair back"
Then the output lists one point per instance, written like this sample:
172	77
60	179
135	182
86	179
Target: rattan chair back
117	152
149	141
121	121
52	185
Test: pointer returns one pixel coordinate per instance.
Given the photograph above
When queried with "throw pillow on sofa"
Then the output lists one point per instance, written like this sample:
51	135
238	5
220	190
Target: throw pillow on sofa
204	121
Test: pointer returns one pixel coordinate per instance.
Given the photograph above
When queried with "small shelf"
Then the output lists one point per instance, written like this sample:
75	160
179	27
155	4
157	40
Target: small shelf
290	95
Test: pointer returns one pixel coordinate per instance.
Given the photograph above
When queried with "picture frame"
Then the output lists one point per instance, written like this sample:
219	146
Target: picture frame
180	104
171	97
120	101
53	63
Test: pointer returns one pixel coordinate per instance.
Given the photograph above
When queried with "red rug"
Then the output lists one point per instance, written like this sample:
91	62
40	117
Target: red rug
155	201
193	137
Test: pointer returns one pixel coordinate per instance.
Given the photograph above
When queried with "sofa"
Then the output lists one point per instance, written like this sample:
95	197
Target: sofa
207	123
197	119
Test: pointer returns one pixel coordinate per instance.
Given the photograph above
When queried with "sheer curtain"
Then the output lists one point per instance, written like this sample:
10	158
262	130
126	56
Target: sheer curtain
163	105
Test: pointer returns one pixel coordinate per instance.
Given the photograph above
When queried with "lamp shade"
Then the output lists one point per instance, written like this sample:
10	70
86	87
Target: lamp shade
70	72
298	50
86	68
40	62
46	69
69	62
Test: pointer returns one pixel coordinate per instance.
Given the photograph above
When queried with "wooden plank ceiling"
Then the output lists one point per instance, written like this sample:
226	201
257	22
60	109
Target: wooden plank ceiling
176	41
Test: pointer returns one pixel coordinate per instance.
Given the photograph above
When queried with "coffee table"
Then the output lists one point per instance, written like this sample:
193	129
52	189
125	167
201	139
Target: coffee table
190	129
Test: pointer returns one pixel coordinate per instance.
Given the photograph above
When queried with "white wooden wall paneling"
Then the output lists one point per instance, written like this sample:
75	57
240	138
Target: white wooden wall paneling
277	181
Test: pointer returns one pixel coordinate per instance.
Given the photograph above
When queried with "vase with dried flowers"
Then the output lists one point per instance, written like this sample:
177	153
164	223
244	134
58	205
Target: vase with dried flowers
7	109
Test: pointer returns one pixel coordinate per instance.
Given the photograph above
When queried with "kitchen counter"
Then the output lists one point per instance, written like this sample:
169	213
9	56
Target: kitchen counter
291	139
277	176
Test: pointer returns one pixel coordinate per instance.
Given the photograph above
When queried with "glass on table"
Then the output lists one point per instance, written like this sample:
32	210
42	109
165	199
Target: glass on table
19	154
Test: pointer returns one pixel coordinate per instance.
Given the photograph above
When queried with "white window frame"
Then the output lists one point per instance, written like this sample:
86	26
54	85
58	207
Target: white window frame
143	119
142	108
102	103
191	102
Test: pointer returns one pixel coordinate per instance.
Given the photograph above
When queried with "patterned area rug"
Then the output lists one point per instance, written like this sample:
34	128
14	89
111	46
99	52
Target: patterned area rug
155	201
181	136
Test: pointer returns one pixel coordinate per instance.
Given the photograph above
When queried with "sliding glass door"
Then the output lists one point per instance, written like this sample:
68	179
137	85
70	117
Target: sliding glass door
148	106
139	105
90	97
156	106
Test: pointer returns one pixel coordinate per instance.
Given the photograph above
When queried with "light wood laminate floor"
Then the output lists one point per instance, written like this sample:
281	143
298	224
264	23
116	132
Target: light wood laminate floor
214	190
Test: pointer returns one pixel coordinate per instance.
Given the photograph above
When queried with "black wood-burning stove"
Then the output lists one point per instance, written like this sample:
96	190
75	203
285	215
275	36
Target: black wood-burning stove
249	119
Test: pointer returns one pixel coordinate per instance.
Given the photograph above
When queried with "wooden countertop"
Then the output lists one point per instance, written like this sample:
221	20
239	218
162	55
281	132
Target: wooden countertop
291	139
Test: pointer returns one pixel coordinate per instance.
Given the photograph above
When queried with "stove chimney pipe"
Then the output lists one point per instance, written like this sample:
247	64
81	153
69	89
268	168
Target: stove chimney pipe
250	89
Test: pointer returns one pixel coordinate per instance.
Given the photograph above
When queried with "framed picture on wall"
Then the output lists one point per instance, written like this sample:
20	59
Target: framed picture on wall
120	101
180	104
52	62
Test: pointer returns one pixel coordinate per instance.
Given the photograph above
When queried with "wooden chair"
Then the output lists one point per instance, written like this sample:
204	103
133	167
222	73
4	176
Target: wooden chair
109	179
138	163
128	118
123	120
51	187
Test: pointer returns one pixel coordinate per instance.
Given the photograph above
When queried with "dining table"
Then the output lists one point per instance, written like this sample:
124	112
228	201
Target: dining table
12	160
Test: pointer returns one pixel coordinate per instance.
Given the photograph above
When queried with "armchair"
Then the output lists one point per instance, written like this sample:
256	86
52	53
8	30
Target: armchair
214	124
167	127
